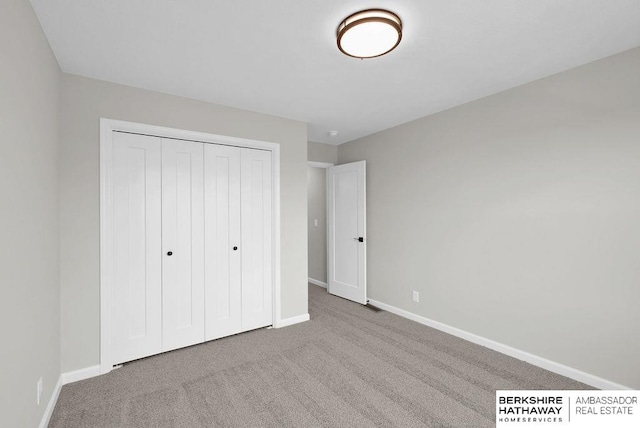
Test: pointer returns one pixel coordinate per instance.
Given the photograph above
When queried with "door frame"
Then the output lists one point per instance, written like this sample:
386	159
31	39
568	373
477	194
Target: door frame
107	128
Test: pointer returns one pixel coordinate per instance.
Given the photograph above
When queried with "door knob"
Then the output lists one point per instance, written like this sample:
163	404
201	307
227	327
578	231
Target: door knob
235	248
360	239
170	253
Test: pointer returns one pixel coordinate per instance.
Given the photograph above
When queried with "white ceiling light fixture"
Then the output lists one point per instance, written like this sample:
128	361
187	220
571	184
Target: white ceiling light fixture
369	33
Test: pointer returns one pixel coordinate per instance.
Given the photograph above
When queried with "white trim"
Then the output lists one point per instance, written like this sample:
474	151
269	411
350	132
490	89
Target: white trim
106	241
327	197
107	127
275	159
110	125
65	378
314	164
541	362
316	282
46	417
82	374
293	320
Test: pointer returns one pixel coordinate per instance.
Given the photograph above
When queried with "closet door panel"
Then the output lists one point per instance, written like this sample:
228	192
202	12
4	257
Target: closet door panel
256	239
183	243
137	282
222	235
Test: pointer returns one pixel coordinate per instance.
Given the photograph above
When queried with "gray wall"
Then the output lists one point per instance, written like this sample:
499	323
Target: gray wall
317	235
516	217
84	102
320	152
29	280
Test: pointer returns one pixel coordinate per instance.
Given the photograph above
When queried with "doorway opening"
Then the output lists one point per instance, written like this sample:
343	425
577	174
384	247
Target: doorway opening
317	222
337	229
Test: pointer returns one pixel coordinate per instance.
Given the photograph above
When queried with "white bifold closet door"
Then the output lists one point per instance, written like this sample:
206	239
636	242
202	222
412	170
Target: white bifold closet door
182	244
137	247
192	239
222	243
238	242
257	296
158	245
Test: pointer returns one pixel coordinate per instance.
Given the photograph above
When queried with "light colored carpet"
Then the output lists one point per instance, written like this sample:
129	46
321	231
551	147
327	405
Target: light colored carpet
347	367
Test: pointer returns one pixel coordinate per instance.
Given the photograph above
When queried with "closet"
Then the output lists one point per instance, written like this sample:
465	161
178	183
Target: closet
192	243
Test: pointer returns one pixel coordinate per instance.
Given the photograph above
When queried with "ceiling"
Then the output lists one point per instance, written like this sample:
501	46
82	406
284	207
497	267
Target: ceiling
280	57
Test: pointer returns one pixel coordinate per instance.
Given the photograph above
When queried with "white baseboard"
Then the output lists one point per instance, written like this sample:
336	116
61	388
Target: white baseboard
64	379
44	422
552	366
290	321
318	283
81	374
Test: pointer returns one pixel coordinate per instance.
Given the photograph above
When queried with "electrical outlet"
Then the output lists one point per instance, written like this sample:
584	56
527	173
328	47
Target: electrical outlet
39	391
315	222
416	296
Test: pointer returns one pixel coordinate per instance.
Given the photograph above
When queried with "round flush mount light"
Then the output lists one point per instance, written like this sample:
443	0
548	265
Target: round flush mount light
369	33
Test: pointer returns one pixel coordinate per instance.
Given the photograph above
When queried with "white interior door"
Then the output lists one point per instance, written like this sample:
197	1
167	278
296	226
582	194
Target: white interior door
256	199
137	284
347	250
223	292
182	243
